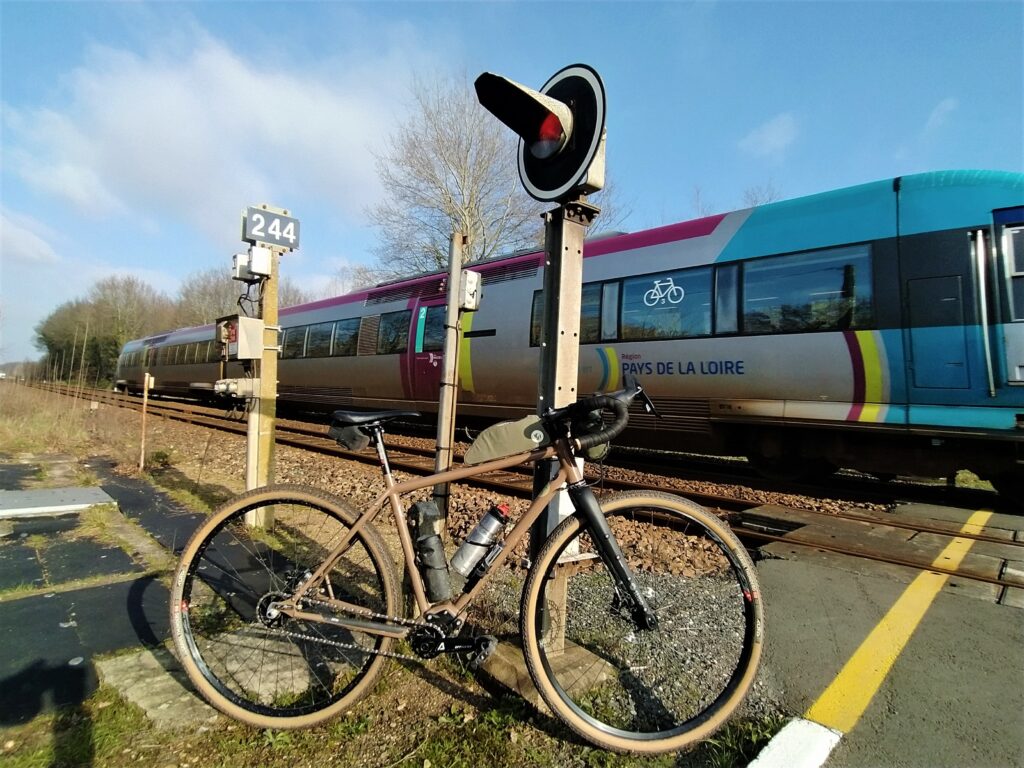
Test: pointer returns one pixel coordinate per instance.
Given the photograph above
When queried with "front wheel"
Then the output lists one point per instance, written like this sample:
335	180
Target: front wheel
253	662
632	689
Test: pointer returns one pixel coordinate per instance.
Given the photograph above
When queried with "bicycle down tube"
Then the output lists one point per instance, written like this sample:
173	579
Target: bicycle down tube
393	492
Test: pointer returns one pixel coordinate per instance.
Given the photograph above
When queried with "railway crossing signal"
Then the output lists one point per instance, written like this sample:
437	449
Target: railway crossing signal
561	130
561	159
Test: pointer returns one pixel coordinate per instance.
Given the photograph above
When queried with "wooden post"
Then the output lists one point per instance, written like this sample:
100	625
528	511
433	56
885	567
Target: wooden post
147	382
449	390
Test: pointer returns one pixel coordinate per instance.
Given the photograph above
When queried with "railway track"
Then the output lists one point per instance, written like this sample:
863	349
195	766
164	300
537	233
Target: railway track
757	523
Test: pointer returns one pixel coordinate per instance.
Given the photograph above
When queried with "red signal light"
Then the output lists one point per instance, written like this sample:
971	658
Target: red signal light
550	138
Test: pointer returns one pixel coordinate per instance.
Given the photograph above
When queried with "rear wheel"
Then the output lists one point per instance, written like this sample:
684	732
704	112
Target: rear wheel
628	688
253	662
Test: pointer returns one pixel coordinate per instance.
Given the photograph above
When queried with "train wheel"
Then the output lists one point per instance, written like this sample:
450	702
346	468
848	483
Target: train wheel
782	461
1010	486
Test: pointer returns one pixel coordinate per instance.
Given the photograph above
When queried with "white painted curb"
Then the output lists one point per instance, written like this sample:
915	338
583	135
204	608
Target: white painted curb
801	744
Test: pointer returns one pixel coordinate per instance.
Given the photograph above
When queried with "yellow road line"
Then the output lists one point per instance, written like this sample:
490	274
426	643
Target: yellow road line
846	698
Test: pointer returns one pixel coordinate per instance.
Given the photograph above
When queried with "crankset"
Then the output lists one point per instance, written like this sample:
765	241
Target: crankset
429	641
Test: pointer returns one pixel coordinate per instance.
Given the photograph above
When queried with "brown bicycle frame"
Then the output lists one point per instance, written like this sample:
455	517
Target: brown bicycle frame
568	472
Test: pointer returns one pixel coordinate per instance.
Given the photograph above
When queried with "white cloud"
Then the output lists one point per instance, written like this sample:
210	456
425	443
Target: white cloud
771	139
940	115
196	135
23	240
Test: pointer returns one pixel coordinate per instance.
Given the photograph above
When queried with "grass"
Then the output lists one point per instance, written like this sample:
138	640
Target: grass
34	421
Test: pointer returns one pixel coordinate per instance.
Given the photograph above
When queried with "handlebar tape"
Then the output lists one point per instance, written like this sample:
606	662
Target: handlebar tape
601	402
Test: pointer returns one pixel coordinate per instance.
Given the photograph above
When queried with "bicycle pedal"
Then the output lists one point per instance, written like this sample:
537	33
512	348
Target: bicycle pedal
485	646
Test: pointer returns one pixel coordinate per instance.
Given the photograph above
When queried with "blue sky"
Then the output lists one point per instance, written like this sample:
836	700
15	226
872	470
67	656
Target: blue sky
133	134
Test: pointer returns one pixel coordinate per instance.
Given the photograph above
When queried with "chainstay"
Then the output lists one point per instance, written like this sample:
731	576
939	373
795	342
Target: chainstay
338	644
353	646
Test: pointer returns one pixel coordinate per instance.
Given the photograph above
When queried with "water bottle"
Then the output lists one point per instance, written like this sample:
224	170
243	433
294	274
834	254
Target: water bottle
490	527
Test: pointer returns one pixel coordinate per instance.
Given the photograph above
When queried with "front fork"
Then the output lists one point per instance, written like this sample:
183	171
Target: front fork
586	504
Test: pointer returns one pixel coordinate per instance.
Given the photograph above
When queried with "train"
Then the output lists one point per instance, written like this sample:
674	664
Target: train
878	327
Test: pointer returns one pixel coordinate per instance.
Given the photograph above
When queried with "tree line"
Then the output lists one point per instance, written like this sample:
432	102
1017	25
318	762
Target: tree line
81	339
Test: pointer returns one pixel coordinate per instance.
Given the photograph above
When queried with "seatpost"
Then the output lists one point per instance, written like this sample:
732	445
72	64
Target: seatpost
382	454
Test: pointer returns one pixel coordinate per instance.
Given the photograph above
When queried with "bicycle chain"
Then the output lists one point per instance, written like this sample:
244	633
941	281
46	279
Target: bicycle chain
352	646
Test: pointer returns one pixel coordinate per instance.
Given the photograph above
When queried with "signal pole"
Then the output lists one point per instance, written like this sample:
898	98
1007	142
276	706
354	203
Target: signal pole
255	341
564	232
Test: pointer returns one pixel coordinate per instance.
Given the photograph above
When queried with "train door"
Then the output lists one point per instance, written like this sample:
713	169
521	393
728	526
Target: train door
427	350
938	338
1009	232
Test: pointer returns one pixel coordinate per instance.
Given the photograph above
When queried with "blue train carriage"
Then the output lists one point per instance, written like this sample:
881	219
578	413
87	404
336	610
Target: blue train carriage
879	327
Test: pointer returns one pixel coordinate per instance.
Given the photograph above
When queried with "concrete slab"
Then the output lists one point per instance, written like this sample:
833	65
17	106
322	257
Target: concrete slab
1000	525
902	574
1013	597
50	501
154	680
920	549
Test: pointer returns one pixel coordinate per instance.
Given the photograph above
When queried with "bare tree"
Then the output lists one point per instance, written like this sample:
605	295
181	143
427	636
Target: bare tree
701	206
206	295
452	167
760	194
123	307
211	293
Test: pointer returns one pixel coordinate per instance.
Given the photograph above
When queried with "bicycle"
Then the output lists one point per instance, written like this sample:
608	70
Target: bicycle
287	623
664	290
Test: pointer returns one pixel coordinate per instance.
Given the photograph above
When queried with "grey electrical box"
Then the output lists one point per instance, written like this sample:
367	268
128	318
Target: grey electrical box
469	290
253	266
239	338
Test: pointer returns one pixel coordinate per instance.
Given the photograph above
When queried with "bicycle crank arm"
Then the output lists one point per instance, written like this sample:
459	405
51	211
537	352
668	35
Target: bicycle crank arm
611	553
345	622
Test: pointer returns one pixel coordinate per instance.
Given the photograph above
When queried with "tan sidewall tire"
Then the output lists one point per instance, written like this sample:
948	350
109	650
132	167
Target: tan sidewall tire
529	629
374	545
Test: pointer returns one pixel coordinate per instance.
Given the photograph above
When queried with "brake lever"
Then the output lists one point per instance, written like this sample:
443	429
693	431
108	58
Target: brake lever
631	382
648	403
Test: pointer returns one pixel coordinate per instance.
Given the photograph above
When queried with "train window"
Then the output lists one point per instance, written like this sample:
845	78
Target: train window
433	329
318	341
609	311
368	326
667	305
393	334
726	304
594	325
1015	240
346	337
294	343
819	291
536	318
590	314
